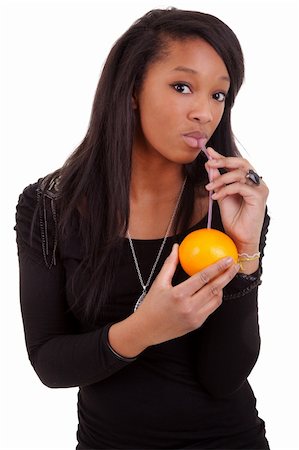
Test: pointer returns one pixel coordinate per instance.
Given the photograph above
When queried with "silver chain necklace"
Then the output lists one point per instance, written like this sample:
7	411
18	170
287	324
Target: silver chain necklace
146	285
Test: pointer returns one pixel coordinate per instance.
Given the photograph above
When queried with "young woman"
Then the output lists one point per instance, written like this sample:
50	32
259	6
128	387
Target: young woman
161	359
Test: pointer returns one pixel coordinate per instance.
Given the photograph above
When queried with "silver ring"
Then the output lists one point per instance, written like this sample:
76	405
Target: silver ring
254	177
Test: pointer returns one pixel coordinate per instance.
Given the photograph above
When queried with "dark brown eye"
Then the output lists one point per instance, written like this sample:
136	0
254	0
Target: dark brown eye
181	88
219	96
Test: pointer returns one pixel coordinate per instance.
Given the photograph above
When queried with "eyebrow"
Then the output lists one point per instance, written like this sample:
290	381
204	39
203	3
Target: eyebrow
189	70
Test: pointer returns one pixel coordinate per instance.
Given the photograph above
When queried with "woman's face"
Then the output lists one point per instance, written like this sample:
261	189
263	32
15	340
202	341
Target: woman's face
183	93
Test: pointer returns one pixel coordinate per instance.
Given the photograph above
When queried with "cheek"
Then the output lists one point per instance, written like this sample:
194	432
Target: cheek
156	119
218	116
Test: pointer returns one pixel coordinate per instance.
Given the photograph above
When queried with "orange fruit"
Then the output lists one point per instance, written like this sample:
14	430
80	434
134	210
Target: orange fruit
203	247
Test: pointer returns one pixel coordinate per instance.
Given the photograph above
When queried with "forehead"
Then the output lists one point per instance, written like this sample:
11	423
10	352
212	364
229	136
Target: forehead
196	54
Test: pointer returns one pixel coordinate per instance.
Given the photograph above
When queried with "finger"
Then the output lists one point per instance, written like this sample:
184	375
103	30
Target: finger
169	267
227	178
213	174
213	290
198	280
229	162
213	154
208	308
242	189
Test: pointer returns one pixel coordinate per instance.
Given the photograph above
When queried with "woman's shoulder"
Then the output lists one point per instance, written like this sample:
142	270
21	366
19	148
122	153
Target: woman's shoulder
36	218
47	186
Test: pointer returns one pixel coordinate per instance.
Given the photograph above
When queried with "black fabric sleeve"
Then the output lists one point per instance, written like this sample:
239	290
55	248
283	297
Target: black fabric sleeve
60	355
228	343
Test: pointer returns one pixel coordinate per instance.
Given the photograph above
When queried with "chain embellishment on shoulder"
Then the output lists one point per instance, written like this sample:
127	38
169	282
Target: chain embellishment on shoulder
46	201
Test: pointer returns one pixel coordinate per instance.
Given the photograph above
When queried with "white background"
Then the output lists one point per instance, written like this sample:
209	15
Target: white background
52	54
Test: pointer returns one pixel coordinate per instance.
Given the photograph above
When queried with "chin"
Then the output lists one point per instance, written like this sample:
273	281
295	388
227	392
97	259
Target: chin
188	157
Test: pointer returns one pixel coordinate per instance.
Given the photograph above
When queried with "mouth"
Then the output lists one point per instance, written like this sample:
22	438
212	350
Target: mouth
195	139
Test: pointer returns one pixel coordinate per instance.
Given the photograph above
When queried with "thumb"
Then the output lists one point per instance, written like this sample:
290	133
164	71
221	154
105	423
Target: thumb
213	154
169	267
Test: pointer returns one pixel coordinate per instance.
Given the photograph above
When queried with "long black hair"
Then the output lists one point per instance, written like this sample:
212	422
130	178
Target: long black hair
95	180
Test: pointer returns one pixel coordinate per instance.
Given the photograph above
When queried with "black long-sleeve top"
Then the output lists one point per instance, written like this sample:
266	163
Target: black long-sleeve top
189	392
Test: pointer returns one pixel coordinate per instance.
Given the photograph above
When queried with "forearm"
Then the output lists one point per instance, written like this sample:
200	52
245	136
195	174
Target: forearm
228	345
59	353
75	360
129	337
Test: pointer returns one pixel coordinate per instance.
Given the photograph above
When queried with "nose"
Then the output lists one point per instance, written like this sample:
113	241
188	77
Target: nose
201	111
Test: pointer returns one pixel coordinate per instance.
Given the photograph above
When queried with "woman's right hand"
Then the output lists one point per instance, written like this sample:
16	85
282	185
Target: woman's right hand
167	311
170	311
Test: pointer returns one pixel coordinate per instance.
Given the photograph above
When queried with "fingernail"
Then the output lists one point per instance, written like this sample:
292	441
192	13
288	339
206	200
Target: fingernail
228	260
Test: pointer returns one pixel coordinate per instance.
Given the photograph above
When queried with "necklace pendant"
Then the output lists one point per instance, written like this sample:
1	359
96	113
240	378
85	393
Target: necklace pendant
140	300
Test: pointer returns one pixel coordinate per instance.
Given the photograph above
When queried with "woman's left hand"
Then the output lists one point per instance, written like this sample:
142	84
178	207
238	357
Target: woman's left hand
242	203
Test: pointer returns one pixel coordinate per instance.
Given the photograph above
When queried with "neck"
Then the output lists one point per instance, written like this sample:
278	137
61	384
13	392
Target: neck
155	187
154	177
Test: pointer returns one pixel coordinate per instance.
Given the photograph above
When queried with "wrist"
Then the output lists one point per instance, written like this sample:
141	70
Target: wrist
126	338
247	248
249	259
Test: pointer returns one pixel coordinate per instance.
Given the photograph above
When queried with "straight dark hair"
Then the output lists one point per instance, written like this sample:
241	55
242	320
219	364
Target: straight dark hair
94	183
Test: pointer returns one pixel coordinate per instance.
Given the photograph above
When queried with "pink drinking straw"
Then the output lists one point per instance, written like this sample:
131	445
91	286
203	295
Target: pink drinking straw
210	173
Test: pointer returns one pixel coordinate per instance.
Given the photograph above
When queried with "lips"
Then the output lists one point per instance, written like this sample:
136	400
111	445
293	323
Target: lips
195	139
